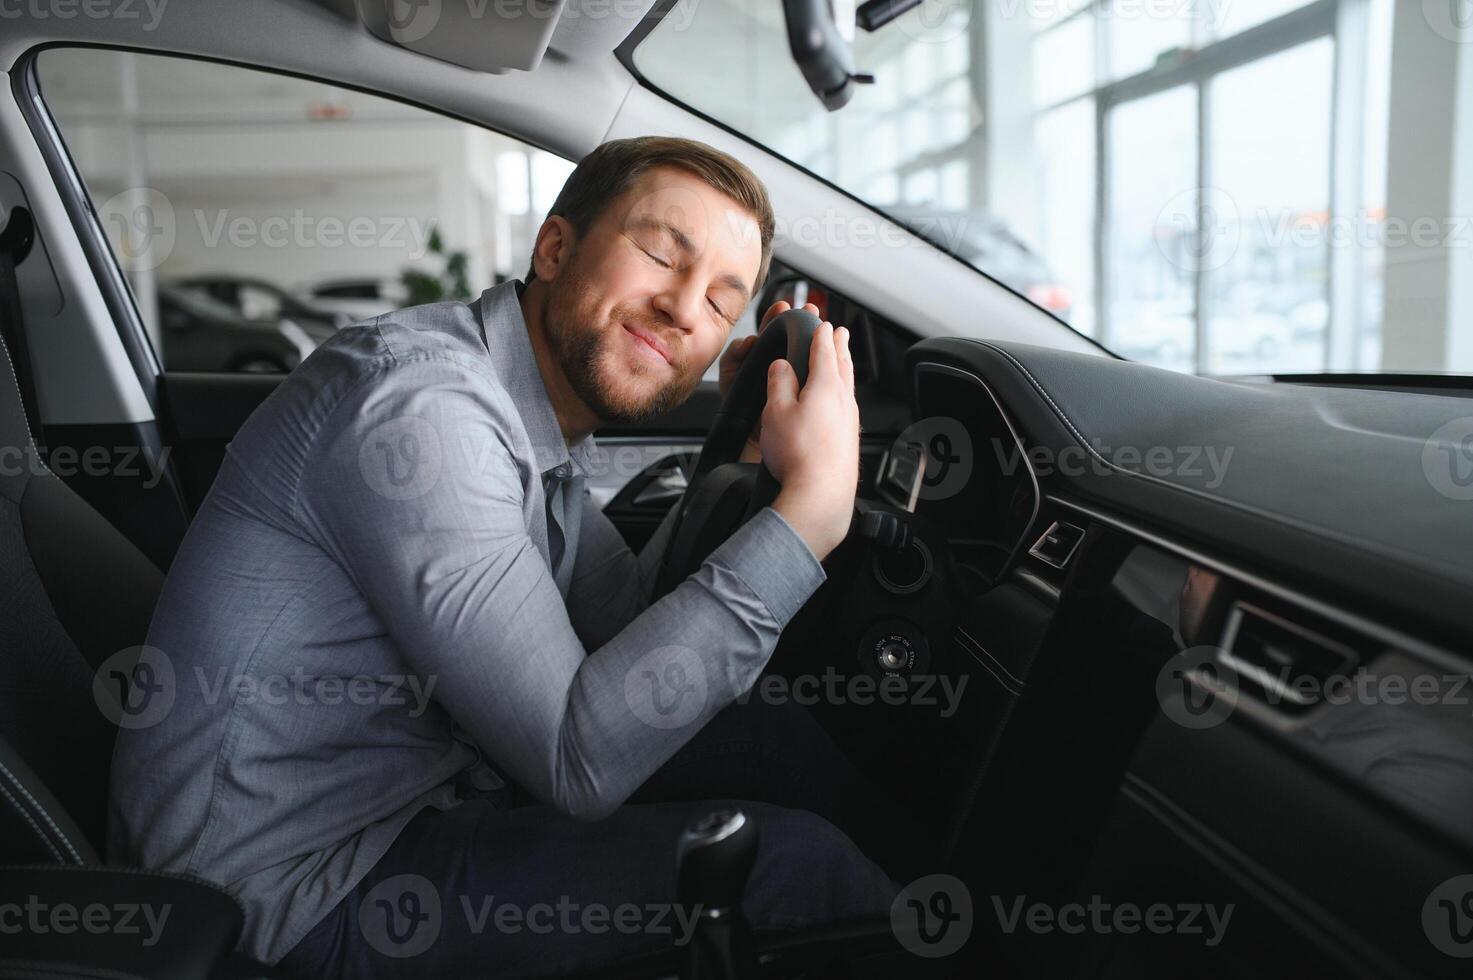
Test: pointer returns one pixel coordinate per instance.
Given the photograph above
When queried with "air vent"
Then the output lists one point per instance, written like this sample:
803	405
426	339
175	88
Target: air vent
1287	662
1057	545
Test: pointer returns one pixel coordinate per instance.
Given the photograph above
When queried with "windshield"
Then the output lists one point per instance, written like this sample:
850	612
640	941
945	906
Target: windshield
1218	186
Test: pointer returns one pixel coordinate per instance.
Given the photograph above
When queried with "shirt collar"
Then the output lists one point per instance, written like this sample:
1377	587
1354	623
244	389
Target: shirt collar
505	332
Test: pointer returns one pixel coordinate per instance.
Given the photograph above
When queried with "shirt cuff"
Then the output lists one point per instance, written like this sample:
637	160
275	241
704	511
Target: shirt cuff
774	561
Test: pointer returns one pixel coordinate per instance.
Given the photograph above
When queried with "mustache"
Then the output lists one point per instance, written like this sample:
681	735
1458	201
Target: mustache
656	326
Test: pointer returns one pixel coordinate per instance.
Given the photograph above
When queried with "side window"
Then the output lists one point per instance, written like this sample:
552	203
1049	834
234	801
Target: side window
254	214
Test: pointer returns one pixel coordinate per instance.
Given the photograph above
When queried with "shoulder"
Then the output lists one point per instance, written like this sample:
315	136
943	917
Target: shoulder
420	375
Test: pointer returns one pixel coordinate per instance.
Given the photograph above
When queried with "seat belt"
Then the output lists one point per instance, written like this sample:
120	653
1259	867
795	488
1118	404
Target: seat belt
15	244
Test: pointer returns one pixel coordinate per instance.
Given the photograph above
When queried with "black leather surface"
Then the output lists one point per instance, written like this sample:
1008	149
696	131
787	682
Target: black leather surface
1325	487
116	922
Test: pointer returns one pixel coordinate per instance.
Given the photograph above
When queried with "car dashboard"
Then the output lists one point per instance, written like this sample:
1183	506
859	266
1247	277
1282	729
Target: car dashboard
1162	635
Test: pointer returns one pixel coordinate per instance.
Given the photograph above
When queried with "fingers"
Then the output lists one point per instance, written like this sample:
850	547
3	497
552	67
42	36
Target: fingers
782	385
823	363
779	308
846	358
776	309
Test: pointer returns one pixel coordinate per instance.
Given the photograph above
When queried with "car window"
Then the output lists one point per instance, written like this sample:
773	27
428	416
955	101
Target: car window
254	214
1234	188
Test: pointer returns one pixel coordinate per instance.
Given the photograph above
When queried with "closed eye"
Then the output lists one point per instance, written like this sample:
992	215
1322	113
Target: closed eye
719	311
661	262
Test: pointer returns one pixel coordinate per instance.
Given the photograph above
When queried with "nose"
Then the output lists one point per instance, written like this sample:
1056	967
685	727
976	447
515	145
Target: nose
680	301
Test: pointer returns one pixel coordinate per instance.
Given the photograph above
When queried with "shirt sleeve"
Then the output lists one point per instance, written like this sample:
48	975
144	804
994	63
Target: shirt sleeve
413	487
611	584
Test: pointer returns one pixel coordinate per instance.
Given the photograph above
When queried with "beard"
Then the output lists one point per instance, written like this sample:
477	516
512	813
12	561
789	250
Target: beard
588	352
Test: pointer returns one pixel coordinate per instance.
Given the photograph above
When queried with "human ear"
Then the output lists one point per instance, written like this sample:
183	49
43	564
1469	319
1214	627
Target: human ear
553	246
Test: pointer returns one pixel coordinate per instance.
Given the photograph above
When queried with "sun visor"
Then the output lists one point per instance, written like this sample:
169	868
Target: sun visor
484	35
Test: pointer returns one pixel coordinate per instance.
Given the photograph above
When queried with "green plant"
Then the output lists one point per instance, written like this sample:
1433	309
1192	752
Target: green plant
452	282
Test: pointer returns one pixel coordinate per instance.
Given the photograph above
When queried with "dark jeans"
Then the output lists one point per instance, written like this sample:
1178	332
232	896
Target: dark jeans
487	890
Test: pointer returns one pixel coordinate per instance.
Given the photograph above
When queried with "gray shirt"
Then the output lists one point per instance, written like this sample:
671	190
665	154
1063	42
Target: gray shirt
399	587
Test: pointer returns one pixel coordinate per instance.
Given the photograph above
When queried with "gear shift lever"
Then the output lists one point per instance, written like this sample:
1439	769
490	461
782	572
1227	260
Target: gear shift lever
713	859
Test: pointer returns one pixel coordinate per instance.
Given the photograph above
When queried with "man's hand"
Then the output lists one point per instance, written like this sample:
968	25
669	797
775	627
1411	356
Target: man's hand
731	362
810	441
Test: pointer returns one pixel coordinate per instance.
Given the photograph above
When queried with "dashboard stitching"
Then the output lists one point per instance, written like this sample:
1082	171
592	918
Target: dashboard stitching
983	650
1004	684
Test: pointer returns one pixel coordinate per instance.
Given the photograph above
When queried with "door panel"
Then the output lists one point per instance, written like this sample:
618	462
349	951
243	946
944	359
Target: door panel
202	412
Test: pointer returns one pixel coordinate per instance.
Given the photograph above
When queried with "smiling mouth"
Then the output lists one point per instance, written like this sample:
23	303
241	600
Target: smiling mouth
650	341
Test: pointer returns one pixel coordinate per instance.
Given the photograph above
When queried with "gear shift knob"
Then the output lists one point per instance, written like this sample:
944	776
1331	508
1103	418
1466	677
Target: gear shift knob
713	858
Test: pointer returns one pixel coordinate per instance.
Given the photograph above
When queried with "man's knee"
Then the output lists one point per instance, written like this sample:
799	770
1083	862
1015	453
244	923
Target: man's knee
808	873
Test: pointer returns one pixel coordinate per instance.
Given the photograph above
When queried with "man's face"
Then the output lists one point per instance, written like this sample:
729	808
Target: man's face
646	299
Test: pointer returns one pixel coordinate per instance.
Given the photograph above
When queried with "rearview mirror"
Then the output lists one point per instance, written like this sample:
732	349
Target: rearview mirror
820	33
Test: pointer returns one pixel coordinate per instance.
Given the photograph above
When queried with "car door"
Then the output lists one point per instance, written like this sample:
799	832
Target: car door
214	182
210	211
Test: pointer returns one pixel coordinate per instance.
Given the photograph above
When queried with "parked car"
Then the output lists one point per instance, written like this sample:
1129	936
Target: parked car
357	298
202	334
985	241
257	299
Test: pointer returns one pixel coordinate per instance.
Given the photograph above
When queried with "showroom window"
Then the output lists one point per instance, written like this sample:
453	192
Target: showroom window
1231	188
254	214
1208	130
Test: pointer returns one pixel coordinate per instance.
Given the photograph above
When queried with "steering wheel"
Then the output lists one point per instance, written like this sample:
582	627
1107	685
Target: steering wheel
723	493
